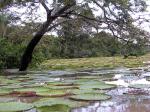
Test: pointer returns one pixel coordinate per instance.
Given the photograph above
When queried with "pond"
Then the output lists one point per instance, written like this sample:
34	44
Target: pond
94	90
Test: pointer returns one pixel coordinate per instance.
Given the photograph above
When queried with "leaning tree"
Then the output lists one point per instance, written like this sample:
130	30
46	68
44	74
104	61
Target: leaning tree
115	16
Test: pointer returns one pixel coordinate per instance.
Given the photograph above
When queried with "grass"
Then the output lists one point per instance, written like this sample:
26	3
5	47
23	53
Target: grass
95	62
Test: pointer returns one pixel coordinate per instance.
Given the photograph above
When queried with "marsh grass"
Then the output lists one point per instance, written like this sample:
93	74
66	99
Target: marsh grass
95	62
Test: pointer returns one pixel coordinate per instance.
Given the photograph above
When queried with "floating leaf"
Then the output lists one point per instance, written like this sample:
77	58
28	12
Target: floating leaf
83	91
62	87
60	83
140	86
89	77
8	81
54	101
90	97
14	106
53	93
84	81
34	89
55	108
97	85
24	94
5	91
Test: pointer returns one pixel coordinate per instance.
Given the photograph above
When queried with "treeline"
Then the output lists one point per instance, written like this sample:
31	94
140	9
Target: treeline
74	40
83	45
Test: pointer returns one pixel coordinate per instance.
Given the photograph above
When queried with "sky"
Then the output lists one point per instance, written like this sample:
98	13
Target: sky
41	11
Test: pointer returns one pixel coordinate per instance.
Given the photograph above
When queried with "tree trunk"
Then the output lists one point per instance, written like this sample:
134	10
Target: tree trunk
27	56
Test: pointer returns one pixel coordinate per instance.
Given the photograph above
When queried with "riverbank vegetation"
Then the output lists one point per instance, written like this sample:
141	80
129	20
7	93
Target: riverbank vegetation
61	54
96	62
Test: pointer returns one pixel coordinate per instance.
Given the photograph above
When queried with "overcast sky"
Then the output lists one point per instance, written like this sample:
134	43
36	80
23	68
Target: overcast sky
144	25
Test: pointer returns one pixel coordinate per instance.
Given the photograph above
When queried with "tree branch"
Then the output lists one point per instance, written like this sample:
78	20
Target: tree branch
45	6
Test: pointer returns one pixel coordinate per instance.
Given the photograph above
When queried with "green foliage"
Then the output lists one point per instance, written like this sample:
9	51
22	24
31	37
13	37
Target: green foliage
90	97
14	106
9	54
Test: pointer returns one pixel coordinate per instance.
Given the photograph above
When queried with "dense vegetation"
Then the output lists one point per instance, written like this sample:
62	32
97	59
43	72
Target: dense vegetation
76	46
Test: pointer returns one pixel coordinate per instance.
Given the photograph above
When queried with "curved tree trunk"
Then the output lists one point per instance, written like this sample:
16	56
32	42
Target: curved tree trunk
27	56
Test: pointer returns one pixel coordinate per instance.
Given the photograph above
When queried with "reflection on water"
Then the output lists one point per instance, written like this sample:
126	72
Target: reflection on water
119	104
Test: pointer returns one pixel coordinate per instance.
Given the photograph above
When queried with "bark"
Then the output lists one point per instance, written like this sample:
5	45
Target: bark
27	56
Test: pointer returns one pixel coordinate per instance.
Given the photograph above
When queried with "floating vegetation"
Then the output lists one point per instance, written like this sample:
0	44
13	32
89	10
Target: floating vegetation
140	86
4	91
97	85
14	106
53	93
54	108
54	101
90	97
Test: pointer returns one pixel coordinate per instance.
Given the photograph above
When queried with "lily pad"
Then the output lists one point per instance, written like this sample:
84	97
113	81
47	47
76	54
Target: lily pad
55	108
90	97
88	77
8	81
83	91
5	91
140	86
34	89
62	87
53	93
54	101
85	81
14	106
97	85
60	83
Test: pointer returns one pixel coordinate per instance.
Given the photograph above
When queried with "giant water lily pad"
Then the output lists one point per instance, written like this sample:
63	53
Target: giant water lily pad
86	81
55	108
54	101
89	77
5	91
8	81
90	97
53	93
84	91
140	86
14	106
59	83
97	85
62	87
34	89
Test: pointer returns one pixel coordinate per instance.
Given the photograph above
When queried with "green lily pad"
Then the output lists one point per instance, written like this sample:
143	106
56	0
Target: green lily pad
5	91
14	106
97	85
34	89
12	86
83	91
90	97
55	108
55	101
59	83
8	81
53	93
140	86
88	77
86	81
62	87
